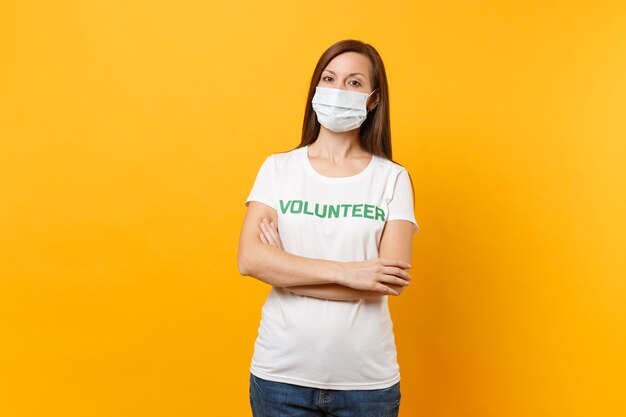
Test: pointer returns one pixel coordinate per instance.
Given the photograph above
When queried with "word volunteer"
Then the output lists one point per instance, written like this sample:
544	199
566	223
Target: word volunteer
368	211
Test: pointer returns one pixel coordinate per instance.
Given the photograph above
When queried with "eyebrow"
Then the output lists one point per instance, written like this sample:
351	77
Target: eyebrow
349	75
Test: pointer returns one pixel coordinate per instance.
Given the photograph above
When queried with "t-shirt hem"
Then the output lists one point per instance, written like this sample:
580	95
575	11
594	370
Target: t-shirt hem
416	226
262	200
319	385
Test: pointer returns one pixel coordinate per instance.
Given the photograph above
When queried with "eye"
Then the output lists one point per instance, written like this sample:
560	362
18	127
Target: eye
356	83
327	78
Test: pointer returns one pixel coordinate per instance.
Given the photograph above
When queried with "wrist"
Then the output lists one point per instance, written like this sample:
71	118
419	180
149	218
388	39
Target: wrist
335	273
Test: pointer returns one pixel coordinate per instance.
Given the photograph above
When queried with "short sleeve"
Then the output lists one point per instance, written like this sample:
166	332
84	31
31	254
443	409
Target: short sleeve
401	204
263	189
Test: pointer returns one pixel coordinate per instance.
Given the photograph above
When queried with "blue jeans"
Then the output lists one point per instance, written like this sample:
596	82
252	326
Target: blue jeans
277	399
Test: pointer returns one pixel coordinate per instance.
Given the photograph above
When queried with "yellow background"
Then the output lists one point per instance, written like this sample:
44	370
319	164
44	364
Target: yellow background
130	136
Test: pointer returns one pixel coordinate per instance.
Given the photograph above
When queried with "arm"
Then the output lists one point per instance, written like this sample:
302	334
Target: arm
396	243
276	267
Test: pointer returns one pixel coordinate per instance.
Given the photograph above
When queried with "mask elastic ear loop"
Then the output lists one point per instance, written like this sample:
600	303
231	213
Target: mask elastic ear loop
367	98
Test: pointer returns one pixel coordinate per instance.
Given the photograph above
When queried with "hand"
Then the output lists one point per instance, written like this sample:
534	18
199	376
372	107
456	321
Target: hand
269	234
387	276
382	275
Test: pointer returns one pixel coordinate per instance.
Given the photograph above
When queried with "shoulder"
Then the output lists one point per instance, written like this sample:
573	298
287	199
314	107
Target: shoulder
279	159
287	155
390	167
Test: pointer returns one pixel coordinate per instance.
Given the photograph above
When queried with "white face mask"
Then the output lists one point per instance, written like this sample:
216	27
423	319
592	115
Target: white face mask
340	110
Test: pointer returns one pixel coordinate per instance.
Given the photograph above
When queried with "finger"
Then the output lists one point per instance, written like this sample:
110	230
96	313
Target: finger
397	288
387	290
395	262
272	238
397	281
270	242
395	271
263	239
265	233
280	242
273	230
393	280
268	235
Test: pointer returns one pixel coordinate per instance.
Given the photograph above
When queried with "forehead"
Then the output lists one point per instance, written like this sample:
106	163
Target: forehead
350	62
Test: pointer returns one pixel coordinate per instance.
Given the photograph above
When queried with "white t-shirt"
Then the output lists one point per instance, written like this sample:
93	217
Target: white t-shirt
329	344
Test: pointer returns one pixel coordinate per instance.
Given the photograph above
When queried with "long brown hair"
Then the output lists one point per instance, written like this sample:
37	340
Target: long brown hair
375	132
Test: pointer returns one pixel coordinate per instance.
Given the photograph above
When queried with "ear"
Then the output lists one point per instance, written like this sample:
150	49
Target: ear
373	100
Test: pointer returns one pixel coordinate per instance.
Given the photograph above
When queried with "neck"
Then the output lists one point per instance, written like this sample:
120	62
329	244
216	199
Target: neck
336	146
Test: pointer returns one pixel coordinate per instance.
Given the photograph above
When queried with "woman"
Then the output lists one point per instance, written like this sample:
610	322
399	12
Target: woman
329	226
